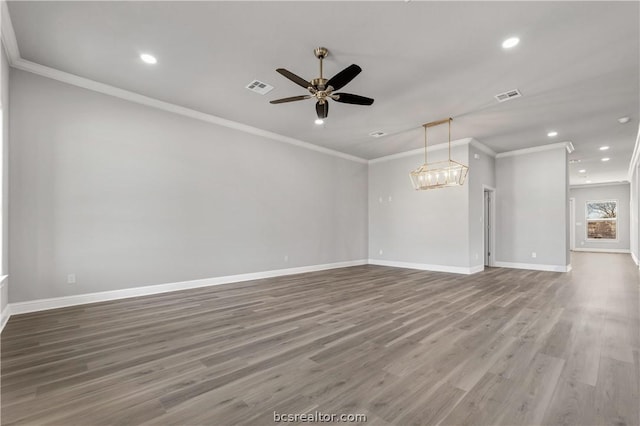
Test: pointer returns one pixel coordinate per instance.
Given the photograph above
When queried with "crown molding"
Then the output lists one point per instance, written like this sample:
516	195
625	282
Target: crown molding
95	86
566	145
634	157
8	35
438	147
482	147
16	61
595	185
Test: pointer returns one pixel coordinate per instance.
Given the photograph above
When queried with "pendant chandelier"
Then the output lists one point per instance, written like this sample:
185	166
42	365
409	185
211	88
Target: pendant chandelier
440	174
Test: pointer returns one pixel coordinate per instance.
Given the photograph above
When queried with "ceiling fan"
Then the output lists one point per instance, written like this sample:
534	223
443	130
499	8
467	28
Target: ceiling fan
322	89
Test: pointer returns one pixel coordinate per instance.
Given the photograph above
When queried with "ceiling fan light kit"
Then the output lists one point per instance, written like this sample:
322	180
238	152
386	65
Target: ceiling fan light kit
322	89
440	174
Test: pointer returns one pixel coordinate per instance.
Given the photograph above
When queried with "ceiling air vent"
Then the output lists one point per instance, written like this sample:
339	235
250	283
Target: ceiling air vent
511	94
377	134
259	87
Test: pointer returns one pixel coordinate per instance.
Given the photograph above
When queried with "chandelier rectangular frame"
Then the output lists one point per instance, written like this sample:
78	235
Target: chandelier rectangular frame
439	174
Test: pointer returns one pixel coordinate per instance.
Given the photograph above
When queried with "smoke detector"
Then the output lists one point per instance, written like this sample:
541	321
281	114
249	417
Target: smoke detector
508	95
259	87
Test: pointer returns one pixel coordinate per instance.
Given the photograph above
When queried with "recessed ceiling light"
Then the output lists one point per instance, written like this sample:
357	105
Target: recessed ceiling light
510	42
319	121
148	59
604	148
606	159
623	120
582	171
552	134
588	181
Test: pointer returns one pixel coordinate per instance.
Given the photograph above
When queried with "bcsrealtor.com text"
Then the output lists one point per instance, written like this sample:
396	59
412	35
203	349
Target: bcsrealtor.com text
318	417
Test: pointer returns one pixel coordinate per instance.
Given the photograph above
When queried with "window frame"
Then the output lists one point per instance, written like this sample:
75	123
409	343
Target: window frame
587	220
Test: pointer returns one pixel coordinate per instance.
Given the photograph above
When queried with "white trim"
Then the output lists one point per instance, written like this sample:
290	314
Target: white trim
635	156
601	250
4	317
106	89
427	267
8	35
534	266
5	313
492	219
81	299
566	145
586	223
595	185
572	223
482	147
476	269
459	142
635	259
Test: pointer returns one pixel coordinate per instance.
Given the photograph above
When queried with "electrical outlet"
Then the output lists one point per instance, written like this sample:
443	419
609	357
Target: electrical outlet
286	257
380	252
380	199
71	279
476	256
533	254
389	198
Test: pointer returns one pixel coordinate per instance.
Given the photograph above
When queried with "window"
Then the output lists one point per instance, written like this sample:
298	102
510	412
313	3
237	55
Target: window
602	220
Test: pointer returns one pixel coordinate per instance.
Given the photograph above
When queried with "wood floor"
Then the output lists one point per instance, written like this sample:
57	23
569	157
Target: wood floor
502	347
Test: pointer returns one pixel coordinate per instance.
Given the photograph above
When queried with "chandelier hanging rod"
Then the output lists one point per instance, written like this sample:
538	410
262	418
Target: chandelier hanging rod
433	124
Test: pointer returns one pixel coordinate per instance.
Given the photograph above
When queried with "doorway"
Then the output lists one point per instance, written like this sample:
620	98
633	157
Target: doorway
489	225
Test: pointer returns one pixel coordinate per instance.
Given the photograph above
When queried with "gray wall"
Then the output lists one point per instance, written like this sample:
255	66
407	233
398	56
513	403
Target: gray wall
124	195
481	172
532	208
4	77
428	227
609	192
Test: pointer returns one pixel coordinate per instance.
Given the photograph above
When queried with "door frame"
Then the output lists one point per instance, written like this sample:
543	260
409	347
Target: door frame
572	223
492	225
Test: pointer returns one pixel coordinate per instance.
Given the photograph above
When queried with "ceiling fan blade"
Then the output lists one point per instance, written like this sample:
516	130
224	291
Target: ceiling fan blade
296	79
341	79
348	98
291	99
322	109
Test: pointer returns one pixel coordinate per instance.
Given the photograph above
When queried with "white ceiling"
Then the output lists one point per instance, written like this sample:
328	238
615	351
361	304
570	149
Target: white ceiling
577	66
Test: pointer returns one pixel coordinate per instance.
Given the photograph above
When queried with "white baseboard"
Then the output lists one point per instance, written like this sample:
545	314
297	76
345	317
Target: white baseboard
81	299
427	267
4	317
476	269
534	266
601	250
4	313
635	259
